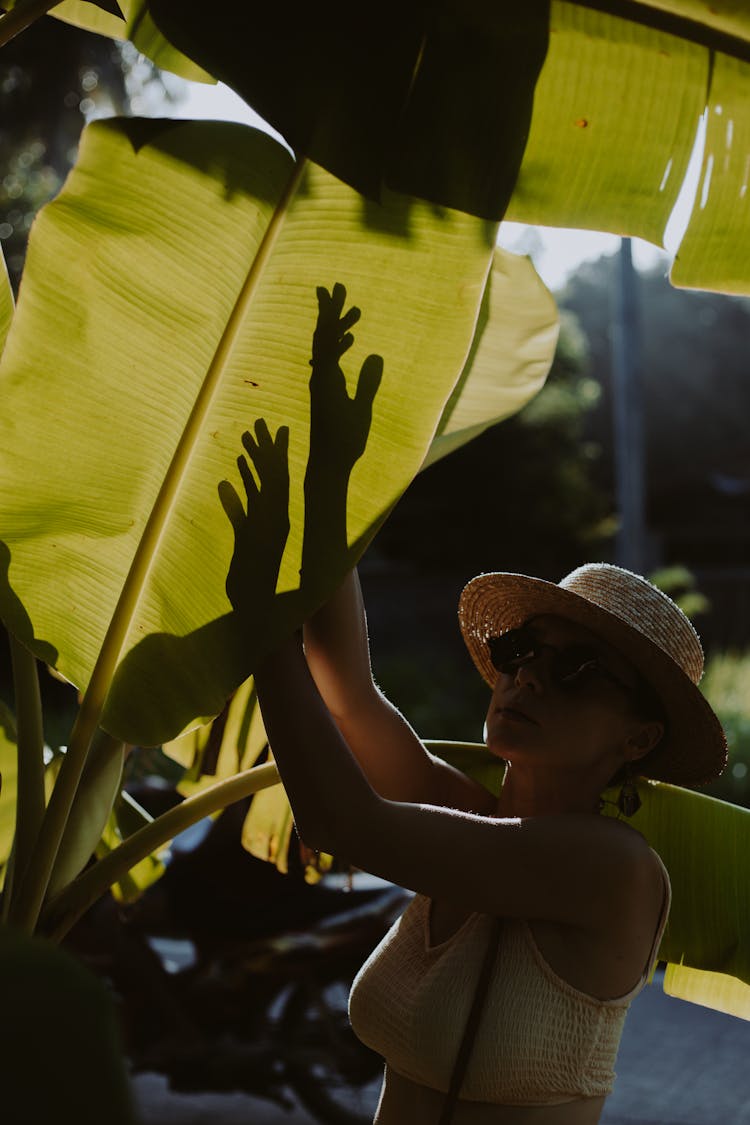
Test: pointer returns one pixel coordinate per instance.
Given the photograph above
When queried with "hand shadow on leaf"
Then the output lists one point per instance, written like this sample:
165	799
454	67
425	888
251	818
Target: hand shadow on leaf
15	617
178	679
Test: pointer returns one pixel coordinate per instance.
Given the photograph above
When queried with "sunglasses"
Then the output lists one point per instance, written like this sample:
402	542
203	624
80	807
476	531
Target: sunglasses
573	667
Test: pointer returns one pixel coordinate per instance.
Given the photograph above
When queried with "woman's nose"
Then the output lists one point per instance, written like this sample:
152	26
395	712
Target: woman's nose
531	672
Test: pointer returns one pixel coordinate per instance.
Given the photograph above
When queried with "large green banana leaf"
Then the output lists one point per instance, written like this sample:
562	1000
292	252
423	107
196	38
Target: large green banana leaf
167	304
434	97
591	160
715	251
615	109
439	105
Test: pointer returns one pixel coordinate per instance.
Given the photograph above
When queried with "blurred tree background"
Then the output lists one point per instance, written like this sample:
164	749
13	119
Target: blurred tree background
54	78
695	369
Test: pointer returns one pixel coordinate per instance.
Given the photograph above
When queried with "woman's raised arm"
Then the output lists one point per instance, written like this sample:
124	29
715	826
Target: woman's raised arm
393	758
577	869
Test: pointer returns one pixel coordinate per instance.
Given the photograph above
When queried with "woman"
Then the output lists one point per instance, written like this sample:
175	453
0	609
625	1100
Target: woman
592	680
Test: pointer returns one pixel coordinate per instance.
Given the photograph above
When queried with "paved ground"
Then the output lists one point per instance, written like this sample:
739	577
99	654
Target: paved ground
679	1065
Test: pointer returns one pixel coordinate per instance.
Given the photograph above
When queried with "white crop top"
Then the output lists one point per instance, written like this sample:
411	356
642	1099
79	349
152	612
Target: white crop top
540	1040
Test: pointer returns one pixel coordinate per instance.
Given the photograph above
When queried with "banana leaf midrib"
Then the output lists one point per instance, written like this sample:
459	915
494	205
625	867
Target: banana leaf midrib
664	19
148	545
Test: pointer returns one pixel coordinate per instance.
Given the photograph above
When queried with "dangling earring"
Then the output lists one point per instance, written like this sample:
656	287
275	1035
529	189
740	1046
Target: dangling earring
628	800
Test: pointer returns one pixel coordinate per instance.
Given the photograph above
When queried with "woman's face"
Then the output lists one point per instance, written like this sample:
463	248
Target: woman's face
565	700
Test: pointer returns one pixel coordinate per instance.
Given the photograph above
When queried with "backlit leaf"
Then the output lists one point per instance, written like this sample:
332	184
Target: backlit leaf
715	251
133	22
510	356
167	304
615	114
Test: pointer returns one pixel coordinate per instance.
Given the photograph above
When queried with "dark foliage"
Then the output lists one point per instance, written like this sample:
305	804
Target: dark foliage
51	78
695	376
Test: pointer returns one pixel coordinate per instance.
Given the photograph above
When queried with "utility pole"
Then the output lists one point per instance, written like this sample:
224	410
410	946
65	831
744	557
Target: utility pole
627	400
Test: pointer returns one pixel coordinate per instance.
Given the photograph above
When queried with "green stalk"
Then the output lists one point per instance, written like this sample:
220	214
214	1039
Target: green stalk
65	909
8	885
34	888
23	15
30	799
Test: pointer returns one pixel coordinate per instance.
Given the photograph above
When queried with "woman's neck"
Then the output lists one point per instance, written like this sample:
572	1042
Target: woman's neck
530	792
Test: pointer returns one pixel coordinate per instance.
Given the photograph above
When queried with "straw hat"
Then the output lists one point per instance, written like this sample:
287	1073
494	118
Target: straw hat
639	621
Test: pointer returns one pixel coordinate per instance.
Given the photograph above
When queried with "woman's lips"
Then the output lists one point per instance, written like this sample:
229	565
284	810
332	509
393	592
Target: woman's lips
515	716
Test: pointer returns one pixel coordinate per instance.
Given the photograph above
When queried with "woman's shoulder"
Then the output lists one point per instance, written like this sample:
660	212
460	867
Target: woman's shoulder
629	841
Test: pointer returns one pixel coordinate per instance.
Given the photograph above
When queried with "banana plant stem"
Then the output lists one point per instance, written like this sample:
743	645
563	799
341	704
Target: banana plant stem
30	745
63	911
33	887
23	15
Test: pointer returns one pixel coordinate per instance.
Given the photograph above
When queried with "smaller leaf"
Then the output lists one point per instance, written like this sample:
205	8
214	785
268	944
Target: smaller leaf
510	357
220	749
98	788
267	830
125	819
714	251
713	990
705	844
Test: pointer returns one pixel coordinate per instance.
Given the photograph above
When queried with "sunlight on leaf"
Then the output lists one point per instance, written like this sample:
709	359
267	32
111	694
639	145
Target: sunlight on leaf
615	113
715	251
172	283
713	990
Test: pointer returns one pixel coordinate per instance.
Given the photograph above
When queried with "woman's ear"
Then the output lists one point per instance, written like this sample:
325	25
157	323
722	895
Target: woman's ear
645	739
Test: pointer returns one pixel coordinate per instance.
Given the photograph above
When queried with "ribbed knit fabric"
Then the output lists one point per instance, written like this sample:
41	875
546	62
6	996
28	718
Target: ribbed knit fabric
539	1041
